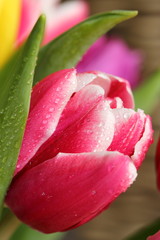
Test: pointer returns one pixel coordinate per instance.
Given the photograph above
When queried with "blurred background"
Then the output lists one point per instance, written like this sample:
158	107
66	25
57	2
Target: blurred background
141	203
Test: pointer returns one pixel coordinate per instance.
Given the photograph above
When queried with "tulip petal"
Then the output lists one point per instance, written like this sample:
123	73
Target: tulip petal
84	79
30	11
116	87
115	102
156	236
63	17
70	189
48	100
129	128
143	144
93	132
80	104
113	86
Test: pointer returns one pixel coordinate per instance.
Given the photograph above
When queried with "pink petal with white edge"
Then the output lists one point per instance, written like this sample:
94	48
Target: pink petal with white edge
30	11
48	100
143	144
115	102
155	236
129	128
84	79
93	132
120	88
64	16
114	86
78	106
70	189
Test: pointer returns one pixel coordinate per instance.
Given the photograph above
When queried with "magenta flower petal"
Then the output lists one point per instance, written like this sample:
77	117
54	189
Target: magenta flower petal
112	55
48	100
129	128
143	144
156	236
121	88
114	86
58	191
70	189
81	103
30	11
92	132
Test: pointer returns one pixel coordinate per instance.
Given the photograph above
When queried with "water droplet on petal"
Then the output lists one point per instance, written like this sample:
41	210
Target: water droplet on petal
93	192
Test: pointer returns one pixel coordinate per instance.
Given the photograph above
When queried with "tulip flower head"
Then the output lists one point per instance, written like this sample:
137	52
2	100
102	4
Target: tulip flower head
82	146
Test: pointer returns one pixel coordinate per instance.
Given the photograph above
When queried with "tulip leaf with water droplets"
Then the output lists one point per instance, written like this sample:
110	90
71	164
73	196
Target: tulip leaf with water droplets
147	94
14	104
67	50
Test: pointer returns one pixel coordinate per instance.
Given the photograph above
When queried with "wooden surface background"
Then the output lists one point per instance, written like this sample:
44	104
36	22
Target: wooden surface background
141	203
142	32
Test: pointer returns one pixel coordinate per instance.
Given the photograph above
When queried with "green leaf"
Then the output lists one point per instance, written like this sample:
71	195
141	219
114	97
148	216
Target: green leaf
148	93
66	50
26	233
146	231
14	104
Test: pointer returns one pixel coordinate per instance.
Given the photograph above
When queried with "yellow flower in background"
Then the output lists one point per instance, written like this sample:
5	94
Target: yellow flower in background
17	18
9	22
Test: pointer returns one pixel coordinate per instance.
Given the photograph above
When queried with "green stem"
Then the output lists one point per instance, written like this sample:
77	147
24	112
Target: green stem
8	225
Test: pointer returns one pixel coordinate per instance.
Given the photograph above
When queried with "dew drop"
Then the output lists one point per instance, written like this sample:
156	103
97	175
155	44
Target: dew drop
94	192
48	116
57	100
125	115
58	89
51	109
44	121
18	165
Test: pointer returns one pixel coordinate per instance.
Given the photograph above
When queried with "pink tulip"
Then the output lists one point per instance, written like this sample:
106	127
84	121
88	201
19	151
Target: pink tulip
60	17
112	55
158	164
81	149
155	236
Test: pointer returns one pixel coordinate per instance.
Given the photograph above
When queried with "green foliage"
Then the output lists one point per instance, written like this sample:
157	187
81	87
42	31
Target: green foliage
148	93
66	50
16	83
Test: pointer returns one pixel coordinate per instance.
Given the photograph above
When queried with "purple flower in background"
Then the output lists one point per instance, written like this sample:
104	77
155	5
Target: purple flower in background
113	56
